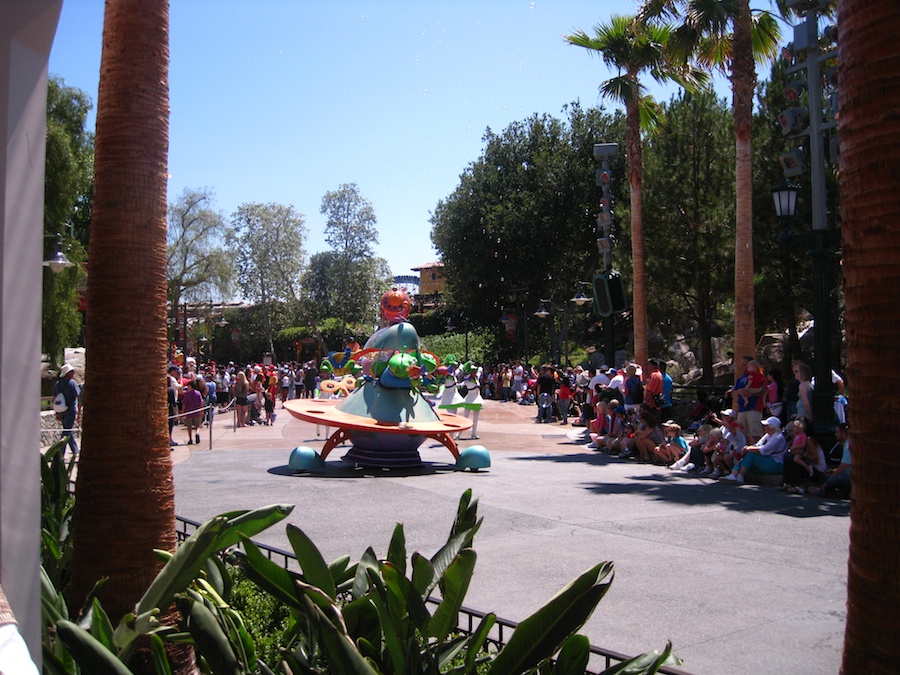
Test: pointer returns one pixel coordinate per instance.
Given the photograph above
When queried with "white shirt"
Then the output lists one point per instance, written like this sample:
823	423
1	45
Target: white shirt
618	382
599	378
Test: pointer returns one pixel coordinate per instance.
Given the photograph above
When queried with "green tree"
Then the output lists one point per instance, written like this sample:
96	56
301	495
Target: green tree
198	266
350	225
335	288
346	282
729	36
690	218
266	242
522	215
69	170
634	49
68	183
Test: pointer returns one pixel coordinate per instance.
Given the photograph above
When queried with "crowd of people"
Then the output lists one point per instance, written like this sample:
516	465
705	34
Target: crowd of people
195	393
767	428
764	431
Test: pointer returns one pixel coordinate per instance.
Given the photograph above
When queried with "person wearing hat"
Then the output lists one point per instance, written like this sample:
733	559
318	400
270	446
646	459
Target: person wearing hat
67	403
734	441
766	456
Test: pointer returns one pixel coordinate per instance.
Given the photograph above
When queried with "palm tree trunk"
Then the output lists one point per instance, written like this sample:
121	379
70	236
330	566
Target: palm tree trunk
124	490
870	154
743	80
639	283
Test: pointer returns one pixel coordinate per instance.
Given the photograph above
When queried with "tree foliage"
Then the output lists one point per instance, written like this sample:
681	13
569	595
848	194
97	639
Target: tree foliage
350	291
68	184
267	242
690	219
521	218
350	225
198	266
69	168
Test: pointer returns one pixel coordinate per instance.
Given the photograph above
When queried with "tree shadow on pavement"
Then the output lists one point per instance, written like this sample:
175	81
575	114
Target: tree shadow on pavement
679	489
662	485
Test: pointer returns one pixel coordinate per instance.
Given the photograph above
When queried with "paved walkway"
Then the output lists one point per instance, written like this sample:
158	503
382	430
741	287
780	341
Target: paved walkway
740	579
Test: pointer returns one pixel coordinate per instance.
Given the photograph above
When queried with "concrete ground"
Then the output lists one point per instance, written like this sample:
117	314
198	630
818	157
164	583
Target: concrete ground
741	579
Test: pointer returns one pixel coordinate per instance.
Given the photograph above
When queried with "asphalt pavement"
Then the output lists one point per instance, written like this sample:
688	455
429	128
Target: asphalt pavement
741	579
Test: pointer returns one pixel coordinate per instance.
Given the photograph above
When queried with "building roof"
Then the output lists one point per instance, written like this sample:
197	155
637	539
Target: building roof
427	266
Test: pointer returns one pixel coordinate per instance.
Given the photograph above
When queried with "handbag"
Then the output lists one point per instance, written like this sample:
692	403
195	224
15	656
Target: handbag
659	400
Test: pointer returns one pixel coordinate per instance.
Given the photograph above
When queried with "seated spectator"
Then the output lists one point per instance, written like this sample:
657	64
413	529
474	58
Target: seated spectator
673	447
725	458
600	426
766	456
838	482
716	444
803	465
694	453
526	397
647	435
614	441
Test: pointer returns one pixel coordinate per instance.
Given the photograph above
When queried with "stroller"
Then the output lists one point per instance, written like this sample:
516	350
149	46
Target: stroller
707	405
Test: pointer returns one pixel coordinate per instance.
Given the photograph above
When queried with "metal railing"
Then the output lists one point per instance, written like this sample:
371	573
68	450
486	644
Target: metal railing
467	621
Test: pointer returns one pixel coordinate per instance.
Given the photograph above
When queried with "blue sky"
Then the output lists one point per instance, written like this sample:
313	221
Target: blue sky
283	100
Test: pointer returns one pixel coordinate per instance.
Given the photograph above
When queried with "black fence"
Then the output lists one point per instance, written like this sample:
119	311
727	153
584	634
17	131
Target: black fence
467	621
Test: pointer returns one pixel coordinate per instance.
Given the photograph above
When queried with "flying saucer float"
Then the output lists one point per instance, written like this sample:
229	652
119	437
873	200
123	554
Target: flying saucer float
385	417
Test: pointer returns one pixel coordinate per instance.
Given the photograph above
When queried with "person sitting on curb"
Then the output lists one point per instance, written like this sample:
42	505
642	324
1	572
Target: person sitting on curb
673	447
724	460
838	482
766	456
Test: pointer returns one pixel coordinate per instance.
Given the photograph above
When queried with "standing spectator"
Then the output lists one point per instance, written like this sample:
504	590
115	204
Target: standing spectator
241	400
310	379
518	379
791	395
172	401
601	378
211	400
653	388
505	382
803	373
748	398
67	403
298	381
665	412
616	386
545	387
192	407
564	398
285	385
634	390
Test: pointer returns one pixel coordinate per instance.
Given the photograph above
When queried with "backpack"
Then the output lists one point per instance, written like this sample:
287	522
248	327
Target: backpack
59	401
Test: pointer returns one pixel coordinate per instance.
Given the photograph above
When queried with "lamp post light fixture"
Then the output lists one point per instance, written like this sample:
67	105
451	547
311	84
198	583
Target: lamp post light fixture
785	196
542	312
58	261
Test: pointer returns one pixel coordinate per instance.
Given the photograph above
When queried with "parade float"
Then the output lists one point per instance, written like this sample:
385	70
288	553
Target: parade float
377	402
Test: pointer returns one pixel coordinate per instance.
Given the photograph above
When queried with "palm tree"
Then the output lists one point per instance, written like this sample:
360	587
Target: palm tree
871	245
728	36
634	48
124	489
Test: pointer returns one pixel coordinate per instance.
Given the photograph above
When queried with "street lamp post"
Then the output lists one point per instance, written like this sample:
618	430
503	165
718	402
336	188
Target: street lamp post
58	261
